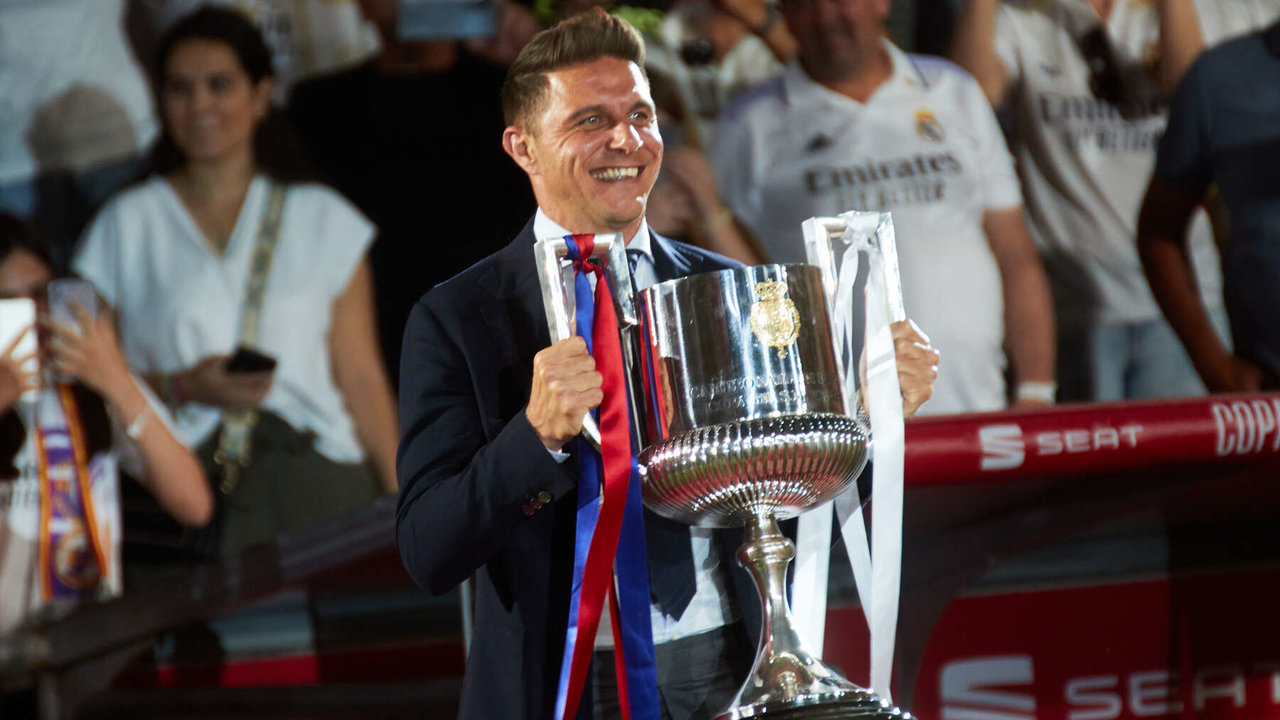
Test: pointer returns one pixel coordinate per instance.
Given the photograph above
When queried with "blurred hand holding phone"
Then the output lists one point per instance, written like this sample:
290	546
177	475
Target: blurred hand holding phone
247	360
18	335
67	293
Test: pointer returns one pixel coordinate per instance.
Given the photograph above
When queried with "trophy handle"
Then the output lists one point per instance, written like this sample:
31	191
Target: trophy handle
830	243
833	244
872	230
556	278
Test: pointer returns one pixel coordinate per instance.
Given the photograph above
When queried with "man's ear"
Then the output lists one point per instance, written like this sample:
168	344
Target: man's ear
518	145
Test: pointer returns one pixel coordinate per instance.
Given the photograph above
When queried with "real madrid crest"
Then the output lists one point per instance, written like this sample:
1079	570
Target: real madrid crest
774	319
74	562
928	127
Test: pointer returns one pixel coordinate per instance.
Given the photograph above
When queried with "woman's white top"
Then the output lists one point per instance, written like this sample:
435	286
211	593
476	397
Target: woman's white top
178	300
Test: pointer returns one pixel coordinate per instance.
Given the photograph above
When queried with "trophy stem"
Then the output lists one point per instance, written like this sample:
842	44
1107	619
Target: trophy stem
787	681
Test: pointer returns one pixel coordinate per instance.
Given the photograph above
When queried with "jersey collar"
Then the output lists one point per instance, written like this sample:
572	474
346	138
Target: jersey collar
803	90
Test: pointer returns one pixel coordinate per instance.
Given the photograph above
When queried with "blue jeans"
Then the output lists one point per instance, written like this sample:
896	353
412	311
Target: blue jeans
1128	361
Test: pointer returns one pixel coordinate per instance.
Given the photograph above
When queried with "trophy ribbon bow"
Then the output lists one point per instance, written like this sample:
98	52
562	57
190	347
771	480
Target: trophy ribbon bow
609	541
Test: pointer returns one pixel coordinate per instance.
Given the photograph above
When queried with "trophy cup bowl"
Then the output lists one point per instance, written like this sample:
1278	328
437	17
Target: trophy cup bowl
746	424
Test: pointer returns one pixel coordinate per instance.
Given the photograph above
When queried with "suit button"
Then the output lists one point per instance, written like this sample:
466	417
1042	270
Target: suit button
544	497
528	509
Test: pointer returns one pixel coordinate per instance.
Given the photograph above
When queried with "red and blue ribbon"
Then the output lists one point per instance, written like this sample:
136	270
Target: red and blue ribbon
609	560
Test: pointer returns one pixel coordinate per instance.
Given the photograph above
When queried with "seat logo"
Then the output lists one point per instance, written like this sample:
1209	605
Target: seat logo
1002	447
976	688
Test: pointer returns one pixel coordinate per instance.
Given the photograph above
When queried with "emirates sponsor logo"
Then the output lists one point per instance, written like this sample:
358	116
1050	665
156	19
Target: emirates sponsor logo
918	167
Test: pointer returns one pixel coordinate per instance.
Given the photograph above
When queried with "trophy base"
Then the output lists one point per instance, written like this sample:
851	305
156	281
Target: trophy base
859	704
788	682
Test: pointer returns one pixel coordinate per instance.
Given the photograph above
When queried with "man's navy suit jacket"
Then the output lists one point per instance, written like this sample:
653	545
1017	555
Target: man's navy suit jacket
471	467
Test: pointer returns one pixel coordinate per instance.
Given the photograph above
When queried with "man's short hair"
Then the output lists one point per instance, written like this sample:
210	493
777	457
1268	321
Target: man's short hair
580	39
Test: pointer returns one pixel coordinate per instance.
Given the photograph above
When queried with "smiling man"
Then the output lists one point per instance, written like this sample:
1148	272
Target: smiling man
588	139
489	406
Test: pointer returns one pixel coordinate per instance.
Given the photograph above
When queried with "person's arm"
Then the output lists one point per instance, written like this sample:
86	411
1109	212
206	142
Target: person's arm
973	47
360	375
464	492
1028	308
1163	223
208	383
1181	40
1183	174
171	472
763	20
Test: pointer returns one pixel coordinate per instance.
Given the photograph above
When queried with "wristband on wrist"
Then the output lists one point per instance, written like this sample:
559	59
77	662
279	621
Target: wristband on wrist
139	423
1040	391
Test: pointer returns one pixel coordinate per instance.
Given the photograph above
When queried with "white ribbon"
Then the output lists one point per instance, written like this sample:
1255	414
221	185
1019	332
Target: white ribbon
877	575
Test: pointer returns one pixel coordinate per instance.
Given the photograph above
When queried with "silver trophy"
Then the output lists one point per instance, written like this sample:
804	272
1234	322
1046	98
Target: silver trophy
739	404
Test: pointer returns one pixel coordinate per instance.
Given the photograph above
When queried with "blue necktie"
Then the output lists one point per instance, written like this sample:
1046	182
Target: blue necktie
633	261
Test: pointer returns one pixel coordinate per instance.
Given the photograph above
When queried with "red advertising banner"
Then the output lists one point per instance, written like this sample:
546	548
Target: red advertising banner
1083	439
1204	646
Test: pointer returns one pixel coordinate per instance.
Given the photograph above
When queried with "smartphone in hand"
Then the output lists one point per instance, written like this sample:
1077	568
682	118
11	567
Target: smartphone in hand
247	360
66	292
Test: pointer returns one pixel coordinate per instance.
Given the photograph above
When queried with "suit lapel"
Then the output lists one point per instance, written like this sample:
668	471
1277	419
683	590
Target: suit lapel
668	262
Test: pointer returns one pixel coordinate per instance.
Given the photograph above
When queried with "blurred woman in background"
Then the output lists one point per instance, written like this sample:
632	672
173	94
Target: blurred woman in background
225	245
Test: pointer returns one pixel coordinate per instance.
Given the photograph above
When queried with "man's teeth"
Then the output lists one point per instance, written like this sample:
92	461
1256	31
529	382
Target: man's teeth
616	173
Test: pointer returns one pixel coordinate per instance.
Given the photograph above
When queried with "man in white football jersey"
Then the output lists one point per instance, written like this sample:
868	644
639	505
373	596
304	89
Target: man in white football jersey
859	125
1085	83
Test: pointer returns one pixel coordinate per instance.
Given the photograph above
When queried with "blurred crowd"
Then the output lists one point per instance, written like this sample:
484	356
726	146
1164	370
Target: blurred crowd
260	190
